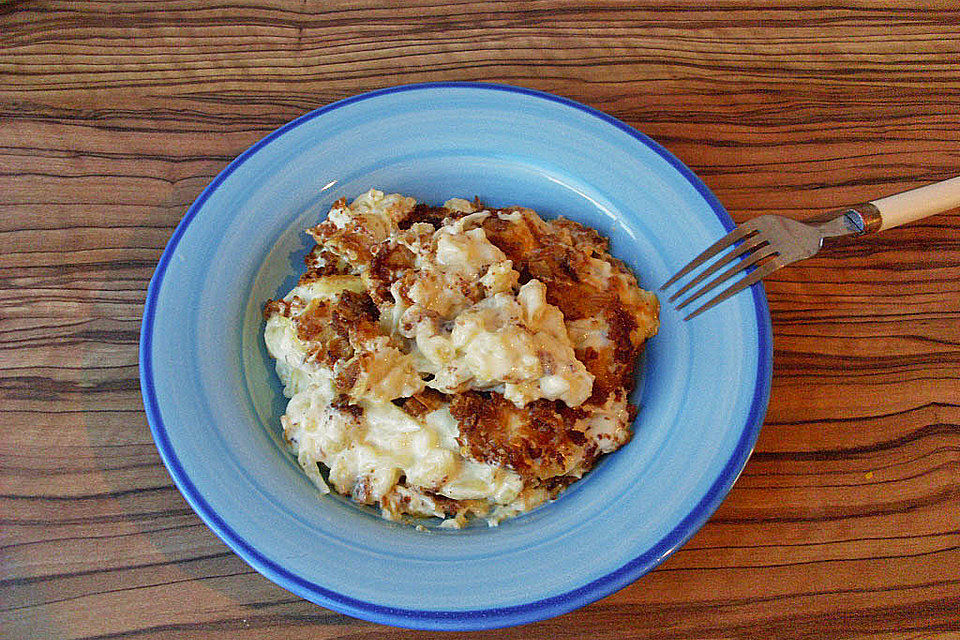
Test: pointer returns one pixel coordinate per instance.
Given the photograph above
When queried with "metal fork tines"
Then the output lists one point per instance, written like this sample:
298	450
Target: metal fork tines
762	245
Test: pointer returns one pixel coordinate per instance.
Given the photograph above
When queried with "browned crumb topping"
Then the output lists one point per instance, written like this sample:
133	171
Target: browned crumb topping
537	441
548	443
424	402
557	254
425	213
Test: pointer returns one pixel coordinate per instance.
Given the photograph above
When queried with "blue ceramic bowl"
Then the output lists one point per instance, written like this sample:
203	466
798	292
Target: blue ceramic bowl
213	400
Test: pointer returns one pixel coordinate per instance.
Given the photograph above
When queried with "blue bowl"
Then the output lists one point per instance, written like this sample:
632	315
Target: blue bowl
213	399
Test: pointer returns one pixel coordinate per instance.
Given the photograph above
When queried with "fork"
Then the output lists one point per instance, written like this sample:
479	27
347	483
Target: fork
767	243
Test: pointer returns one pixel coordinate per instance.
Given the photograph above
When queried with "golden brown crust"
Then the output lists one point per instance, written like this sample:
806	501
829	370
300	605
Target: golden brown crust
276	307
387	264
342	403
540	440
614	367
355	315
549	444
346	378
424	402
557	254
537	441
351	243
335	330
314	326
515	238
428	214
582	237
321	263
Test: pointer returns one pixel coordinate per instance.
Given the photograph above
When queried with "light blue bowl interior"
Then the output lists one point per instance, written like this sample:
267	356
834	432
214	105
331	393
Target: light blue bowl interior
214	401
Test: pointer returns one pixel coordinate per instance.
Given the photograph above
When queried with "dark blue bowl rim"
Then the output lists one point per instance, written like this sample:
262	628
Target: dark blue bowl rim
479	618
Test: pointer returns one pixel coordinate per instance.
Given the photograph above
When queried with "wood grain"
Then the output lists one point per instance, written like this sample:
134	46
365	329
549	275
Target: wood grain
845	523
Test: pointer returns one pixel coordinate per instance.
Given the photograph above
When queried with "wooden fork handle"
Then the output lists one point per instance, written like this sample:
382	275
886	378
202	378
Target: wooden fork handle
915	204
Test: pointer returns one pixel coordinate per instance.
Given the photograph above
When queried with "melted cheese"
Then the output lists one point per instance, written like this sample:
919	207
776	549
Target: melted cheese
517	345
367	454
458	322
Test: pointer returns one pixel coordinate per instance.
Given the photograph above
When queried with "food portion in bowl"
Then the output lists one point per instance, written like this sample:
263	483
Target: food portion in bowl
456	361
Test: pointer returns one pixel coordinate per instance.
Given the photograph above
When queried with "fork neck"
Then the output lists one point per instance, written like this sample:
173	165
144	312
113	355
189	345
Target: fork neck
856	220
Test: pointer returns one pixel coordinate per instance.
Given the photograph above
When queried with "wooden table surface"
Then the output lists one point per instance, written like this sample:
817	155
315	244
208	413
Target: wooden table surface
116	114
